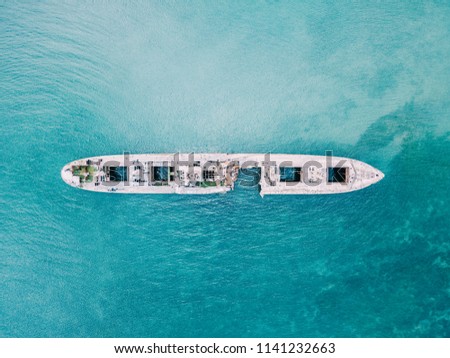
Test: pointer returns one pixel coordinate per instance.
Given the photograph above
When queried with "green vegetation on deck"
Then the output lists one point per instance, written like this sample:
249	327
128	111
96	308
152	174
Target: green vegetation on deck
205	184
85	172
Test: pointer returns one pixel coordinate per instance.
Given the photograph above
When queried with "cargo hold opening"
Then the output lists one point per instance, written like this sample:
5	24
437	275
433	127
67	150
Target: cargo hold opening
337	175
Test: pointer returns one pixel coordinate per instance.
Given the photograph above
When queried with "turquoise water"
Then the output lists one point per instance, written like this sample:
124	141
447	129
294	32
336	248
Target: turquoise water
368	81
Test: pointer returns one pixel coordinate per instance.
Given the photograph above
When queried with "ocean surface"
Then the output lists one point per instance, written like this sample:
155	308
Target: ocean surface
368	81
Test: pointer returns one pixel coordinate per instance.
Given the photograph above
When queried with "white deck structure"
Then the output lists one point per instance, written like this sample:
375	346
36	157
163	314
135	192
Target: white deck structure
208	173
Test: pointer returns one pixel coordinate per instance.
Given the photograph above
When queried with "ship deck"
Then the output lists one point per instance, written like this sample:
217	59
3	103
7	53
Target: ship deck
209	173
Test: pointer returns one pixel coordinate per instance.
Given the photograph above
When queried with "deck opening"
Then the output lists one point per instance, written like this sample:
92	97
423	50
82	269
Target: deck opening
290	174
337	175
118	174
161	174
